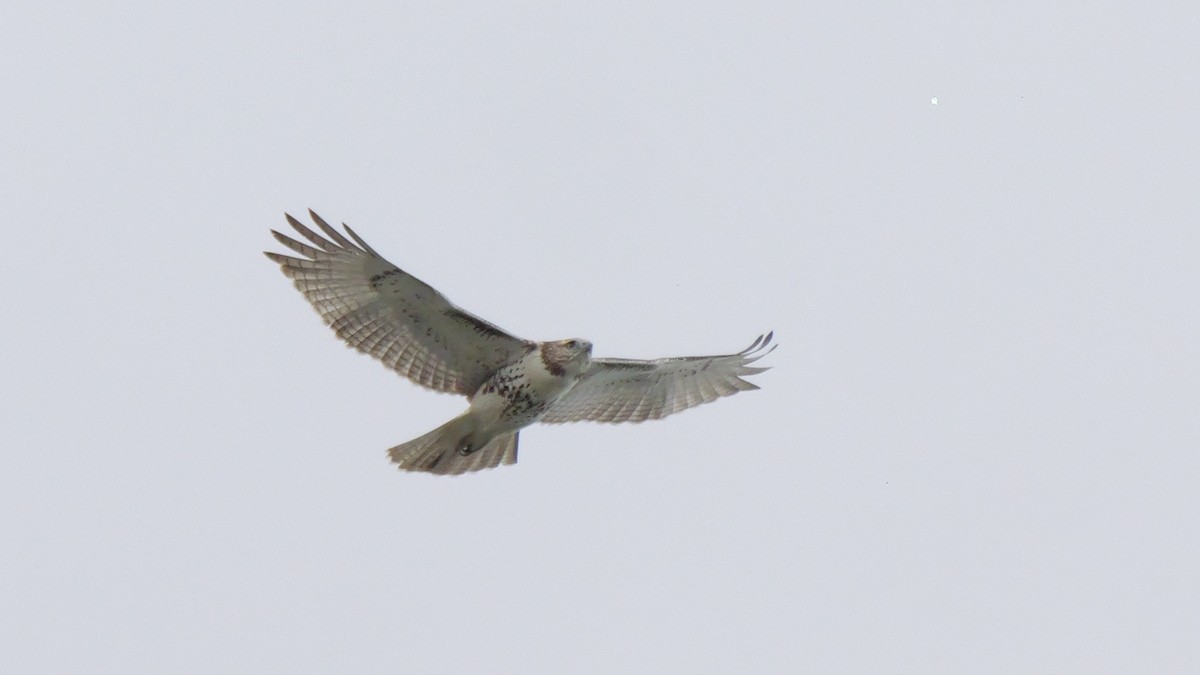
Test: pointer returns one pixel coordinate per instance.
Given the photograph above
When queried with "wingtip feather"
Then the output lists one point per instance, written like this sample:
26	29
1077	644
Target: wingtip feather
760	343
331	232
293	222
358	240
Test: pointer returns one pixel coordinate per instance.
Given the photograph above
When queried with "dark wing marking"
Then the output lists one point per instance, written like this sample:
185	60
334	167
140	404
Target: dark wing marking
626	390
380	310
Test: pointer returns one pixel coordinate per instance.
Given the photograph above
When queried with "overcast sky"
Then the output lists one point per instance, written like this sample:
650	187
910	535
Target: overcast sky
978	450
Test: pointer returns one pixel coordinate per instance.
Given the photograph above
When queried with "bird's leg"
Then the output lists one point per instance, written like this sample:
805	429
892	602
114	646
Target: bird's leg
465	447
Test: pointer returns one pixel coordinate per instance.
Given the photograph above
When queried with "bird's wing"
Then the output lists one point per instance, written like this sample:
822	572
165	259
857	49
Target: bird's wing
380	310
625	390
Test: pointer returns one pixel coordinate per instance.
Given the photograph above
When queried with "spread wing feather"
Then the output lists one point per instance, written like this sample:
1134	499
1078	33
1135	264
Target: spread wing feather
380	310
627	390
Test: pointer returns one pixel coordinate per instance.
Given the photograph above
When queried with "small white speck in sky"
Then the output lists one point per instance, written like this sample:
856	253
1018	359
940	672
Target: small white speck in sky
933	100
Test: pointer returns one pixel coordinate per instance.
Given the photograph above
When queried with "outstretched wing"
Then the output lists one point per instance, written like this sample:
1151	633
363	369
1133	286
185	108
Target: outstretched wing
380	310
625	390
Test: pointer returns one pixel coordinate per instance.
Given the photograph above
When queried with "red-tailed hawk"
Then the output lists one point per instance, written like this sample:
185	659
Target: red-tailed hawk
380	310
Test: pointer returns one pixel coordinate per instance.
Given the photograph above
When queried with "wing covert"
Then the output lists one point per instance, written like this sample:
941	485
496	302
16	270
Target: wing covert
628	390
383	311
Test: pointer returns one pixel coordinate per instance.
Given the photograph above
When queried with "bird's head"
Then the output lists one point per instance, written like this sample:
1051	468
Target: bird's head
576	346
567	357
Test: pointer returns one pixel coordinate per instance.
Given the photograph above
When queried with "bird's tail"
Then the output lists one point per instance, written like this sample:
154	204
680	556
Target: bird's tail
447	450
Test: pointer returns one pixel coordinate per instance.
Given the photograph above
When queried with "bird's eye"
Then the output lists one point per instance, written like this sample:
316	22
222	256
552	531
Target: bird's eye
572	344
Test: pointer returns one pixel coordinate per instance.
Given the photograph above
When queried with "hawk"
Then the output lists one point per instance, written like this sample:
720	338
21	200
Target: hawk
510	383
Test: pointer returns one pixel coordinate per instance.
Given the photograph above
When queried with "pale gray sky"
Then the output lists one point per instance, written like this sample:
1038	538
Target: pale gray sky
977	450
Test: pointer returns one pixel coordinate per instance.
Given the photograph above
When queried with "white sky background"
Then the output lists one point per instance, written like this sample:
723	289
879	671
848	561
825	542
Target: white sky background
977	450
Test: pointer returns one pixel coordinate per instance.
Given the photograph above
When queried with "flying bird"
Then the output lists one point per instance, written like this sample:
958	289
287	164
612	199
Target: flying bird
510	383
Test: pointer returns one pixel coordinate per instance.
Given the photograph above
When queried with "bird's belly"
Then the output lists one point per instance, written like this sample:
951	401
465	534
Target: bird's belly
514	400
